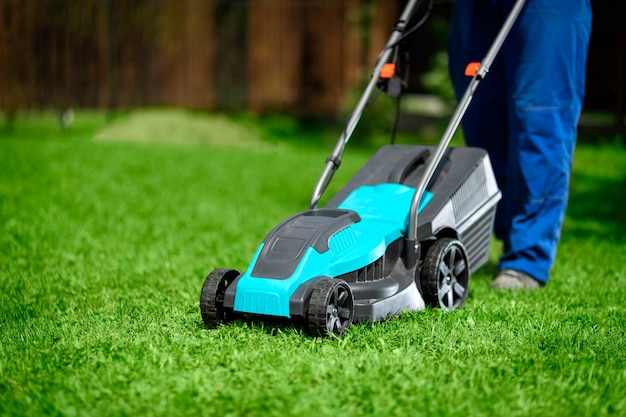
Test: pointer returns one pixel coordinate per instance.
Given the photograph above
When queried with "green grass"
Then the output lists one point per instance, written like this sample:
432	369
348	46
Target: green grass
104	245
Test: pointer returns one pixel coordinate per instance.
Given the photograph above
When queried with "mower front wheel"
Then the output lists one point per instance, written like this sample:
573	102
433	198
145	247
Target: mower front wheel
212	296
331	308
445	274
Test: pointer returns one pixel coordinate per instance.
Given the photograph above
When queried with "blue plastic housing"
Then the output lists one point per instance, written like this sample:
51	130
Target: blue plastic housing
383	210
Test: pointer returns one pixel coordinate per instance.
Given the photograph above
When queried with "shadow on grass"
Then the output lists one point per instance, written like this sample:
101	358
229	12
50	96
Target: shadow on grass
596	208
269	325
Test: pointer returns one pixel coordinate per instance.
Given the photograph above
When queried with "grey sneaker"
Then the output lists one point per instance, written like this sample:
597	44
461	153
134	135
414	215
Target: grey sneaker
509	279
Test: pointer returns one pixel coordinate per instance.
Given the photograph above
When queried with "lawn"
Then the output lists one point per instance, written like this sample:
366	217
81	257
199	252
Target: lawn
106	238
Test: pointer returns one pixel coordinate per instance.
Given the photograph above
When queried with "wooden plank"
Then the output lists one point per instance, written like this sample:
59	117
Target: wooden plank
275	46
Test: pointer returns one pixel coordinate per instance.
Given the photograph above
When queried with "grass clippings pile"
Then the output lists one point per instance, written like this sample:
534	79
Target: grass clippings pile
177	126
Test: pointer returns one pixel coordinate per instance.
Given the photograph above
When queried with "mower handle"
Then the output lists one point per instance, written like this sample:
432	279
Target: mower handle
333	161
481	72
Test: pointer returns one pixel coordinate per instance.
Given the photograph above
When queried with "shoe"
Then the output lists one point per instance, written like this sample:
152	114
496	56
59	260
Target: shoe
510	279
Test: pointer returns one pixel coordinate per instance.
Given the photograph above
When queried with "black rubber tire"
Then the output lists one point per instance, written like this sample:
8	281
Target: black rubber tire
445	274
331	308
212	296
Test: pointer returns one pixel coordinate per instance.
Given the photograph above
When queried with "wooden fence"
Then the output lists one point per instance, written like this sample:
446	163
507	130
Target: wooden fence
301	56
207	54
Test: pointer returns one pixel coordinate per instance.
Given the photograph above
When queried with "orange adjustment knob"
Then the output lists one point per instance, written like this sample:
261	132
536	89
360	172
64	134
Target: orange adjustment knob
388	71
472	69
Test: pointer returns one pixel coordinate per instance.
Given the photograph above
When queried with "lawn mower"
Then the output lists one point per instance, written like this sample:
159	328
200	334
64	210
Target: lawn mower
405	232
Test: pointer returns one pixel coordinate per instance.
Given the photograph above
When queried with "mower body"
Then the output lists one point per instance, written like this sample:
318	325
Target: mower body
359	238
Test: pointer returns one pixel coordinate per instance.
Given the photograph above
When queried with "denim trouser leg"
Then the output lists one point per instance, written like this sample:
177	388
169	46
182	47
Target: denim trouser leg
525	114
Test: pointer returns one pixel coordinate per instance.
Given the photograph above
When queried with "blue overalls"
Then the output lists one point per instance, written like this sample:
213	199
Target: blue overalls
525	114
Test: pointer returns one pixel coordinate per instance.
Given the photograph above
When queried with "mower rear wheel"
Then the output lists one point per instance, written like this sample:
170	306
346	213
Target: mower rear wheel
212	296
445	274
331	308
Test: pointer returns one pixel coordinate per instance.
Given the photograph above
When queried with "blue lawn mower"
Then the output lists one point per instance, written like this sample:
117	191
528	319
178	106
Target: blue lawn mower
405	232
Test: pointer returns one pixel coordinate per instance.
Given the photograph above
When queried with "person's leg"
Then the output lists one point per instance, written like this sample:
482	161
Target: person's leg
545	58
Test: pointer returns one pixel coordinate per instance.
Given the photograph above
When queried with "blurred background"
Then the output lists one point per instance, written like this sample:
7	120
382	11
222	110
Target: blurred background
304	58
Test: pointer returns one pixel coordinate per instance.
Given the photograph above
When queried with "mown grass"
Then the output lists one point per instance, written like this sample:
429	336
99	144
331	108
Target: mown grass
104	246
